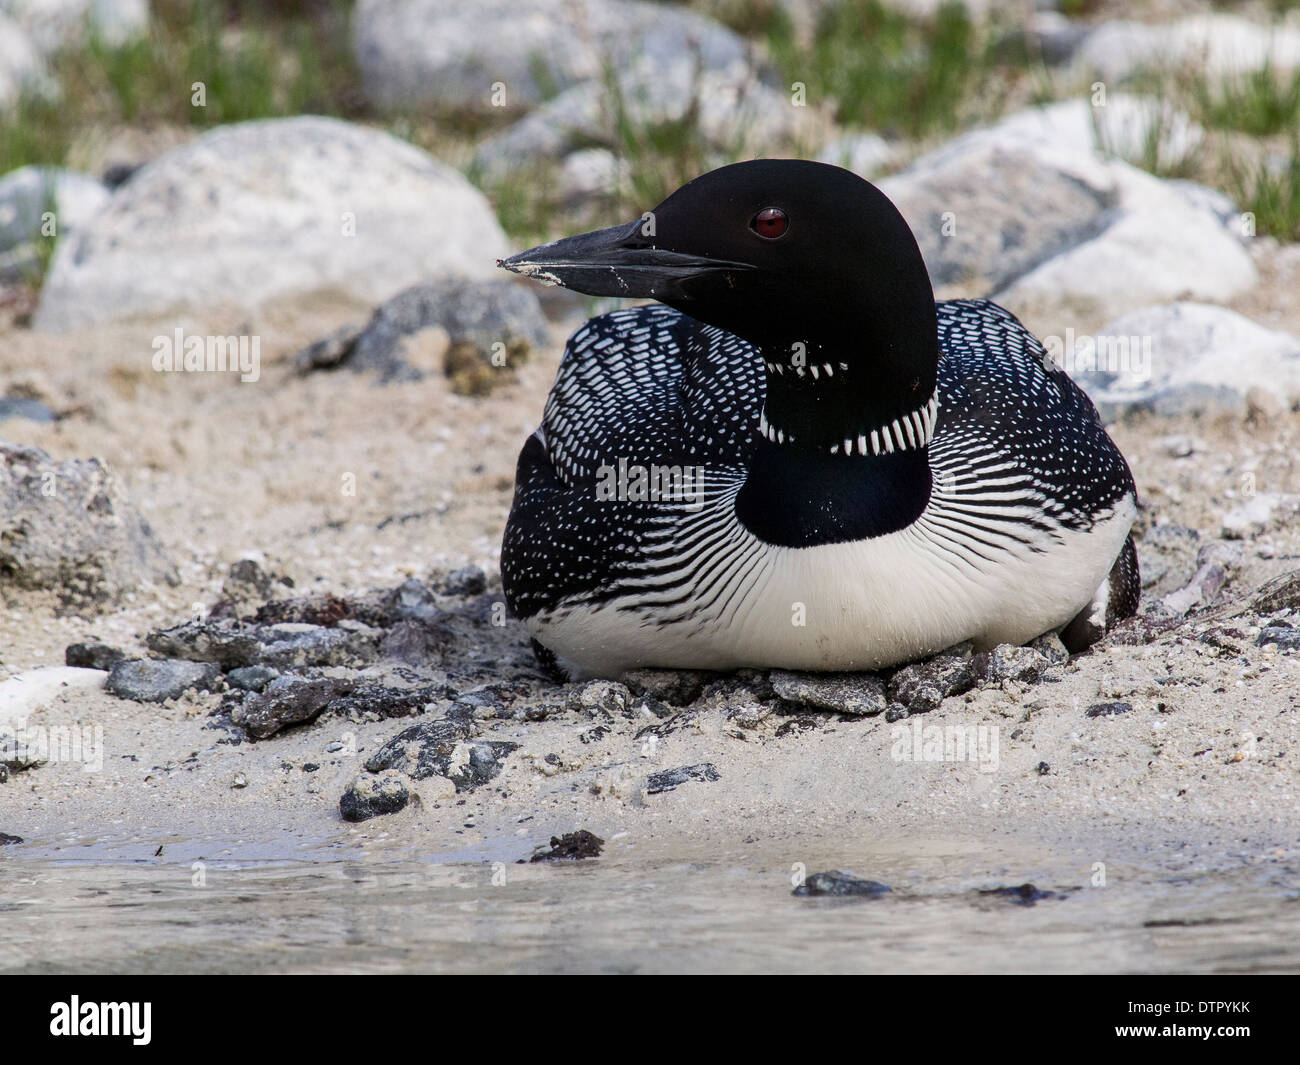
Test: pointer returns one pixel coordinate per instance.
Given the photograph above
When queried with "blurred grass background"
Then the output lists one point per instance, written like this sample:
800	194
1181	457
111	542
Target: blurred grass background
914	80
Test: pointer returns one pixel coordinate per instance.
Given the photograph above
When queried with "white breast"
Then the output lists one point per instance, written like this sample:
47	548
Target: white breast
736	601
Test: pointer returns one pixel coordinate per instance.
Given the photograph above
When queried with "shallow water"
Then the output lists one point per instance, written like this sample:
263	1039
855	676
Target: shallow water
85	908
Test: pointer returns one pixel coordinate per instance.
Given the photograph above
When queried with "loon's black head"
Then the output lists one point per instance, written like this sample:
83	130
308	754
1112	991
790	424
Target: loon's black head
804	260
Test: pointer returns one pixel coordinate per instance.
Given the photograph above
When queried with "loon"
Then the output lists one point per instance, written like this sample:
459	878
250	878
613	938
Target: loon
796	458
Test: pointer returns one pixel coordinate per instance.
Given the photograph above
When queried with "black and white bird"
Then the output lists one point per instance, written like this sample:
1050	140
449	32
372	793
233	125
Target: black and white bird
797	459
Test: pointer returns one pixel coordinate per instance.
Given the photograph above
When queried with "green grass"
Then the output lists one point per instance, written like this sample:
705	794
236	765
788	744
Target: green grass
524	202
1263	102
876	68
1270	191
885	71
1252	146
254	61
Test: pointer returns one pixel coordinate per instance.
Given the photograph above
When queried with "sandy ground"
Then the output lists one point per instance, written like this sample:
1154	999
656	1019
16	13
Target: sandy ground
1210	752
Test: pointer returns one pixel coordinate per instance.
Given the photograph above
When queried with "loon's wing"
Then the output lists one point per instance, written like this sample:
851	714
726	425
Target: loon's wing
1017	441
640	387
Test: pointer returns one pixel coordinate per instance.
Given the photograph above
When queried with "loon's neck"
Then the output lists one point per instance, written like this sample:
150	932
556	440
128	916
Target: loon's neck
844	453
822	398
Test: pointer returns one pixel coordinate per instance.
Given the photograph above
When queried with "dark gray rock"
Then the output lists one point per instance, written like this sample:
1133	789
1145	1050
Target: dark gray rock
1022	664
922	686
571	847
1108	709
230	644
248	582
413	600
67	527
476	314
7	840
329	351
286	701
375	699
284	646
430	749
1049	645
421	751
251	678
371	796
294	646
601	698
1283	637
478	703
1021	894
842	693
1280	593
838	882
668	779
153	680
91	654
414	642
21	407
466	581
679	687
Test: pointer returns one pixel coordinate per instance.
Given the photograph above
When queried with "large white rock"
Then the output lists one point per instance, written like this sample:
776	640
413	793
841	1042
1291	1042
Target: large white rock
1215	45
262	209
1079	138
55	24
450	54
1033	208
1187	357
989	215
1160	246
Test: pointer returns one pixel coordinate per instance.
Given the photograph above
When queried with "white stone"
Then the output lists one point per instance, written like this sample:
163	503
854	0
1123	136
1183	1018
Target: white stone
1215	45
28	192
26	692
1076	137
21	67
866	154
55	24
1201	357
1096	234
1159	247
263	209
592	172
1258	514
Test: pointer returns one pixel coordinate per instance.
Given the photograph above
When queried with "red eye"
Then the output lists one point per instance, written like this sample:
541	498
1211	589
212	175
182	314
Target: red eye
770	223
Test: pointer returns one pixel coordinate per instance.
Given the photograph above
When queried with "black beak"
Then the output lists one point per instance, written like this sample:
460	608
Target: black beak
621	261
